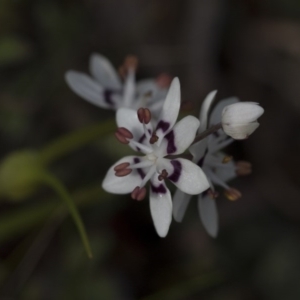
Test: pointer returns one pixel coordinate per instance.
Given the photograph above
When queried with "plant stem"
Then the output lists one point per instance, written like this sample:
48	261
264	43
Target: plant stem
64	195
207	132
75	140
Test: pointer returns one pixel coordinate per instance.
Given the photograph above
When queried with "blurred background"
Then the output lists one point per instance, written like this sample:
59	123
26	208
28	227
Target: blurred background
244	48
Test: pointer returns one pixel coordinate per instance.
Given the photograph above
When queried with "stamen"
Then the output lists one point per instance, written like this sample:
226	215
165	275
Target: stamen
122	134
144	115
154	138
141	146
138	193
163	80
123	172
232	194
121	166
163	175
130	62
212	194
243	168
142	164
227	159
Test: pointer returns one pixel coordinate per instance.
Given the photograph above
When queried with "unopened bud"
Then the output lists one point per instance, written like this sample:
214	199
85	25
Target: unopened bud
239	120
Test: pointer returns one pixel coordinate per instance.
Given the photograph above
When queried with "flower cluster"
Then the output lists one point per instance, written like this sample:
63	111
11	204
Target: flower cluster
146	115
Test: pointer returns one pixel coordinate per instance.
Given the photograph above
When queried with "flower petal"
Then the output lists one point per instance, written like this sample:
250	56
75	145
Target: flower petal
240	132
160	207
204	110
186	175
104	72
209	214
169	112
181	201
87	88
198	150
241	113
216	114
129	90
122	185
181	136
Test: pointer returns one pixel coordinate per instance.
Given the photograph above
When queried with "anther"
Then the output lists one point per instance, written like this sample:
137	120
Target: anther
163	175
232	194
154	138
130	62
138	193
122	134
227	159
212	194
144	115
163	80
123	172
243	168
121	166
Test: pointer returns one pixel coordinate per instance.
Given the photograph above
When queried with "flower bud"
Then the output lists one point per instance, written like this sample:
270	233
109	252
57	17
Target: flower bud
239	120
19	175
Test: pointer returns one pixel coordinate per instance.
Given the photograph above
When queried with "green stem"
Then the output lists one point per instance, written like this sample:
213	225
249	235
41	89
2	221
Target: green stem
75	140
63	193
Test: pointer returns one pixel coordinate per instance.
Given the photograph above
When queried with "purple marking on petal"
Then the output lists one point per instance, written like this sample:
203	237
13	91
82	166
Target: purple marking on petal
164	126
177	170
158	189
140	171
108	96
171	148
201	160
141	139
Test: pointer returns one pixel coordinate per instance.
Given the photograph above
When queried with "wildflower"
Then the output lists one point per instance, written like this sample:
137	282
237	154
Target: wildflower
156	141
239	120
218	167
105	88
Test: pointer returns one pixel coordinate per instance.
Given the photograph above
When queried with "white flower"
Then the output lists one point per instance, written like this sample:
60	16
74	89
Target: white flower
239	120
206	153
105	89
156	141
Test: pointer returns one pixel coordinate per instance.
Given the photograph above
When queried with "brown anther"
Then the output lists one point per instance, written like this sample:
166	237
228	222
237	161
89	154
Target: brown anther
121	138
154	138
212	194
125	132
243	168
163	80
130	62
123	172
163	175
121	166
144	115
227	159
138	193
232	194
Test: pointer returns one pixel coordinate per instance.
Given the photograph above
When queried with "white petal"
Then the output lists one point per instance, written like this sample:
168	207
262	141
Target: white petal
208	214
198	150
122	185
129	90
204	110
170	111
181	136
104	72
241	113
216	114
128	118
160	207
181	201
186	175
240	132
87	88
